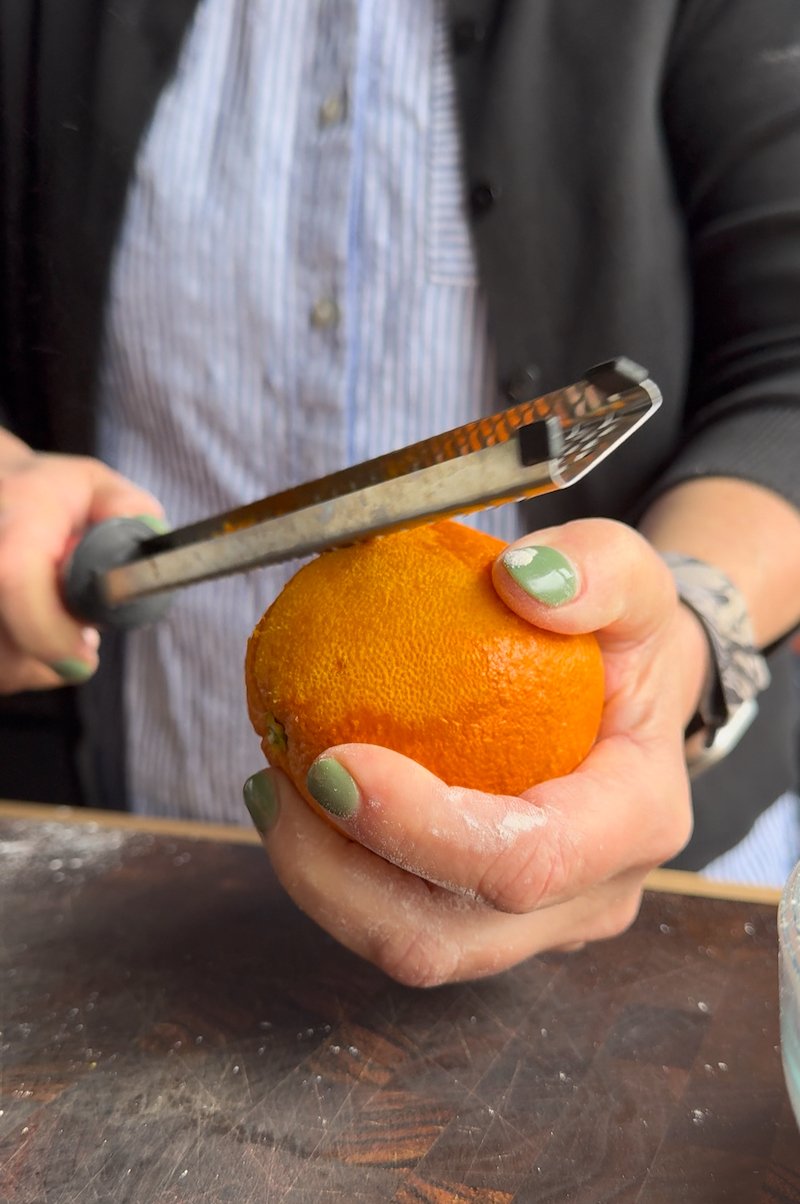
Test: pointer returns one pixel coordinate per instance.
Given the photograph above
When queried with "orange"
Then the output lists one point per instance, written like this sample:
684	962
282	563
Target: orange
403	641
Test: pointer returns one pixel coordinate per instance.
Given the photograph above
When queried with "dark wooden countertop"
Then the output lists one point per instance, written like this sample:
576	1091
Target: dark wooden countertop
174	1031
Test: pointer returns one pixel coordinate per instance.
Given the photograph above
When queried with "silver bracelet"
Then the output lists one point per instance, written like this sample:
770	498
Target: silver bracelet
739	672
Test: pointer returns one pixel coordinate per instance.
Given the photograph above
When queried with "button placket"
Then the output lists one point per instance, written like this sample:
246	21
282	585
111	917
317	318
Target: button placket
333	109
324	313
322	168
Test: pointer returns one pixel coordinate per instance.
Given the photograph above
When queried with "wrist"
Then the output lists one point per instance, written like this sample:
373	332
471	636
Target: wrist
738	673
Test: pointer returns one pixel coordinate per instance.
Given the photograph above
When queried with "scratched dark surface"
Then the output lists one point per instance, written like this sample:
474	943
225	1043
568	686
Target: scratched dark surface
174	1031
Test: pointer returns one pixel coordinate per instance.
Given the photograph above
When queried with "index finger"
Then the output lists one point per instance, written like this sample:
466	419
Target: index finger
515	853
43	509
619	587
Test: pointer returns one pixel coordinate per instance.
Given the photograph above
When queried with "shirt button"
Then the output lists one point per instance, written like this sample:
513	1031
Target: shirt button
324	313
332	109
523	384
481	198
466	35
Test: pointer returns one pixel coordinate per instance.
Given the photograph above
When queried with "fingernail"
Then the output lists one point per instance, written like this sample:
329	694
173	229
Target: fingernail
72	670
91	638
331	786
543	573
159	525
261	800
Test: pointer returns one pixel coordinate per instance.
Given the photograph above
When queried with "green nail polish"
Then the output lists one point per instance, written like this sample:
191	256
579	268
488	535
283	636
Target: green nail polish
159	525
261	800
331	785
543	573
73	670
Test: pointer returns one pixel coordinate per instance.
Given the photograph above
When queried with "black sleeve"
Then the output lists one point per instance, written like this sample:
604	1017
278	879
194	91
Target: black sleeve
731	101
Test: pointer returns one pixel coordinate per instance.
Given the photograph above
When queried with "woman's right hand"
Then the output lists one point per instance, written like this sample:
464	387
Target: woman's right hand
46	503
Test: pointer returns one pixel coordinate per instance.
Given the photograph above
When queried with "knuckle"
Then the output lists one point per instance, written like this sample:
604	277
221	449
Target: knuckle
17	480
674	832
680	834
618	917
526	876
20	672
414	960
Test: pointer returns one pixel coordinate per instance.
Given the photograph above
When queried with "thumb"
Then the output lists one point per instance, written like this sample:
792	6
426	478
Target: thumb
114	496
589	575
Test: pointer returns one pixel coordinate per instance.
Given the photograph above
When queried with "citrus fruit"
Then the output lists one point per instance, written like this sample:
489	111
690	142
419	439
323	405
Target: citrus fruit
403	641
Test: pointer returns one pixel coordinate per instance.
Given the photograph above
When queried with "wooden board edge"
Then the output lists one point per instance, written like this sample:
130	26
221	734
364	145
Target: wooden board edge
676	882
682	882
187	829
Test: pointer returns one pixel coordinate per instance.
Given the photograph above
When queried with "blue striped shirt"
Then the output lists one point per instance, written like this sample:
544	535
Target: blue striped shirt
294	290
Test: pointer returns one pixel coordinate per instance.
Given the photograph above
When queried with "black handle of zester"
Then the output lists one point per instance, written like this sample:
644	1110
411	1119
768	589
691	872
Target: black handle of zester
109	544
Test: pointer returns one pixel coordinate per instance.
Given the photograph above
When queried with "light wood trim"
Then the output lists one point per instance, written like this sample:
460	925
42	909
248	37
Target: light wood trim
681	882
677	882
188	829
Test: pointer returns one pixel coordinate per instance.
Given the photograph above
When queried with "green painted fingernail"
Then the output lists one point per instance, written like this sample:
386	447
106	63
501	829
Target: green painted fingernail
159	525
543	573
261	800
73	670
331	786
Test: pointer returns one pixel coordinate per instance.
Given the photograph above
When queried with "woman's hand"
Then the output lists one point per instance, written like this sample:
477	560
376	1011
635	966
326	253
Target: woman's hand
438	884
46	502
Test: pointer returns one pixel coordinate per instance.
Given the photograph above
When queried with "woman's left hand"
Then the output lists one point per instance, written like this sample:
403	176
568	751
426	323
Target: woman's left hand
437	884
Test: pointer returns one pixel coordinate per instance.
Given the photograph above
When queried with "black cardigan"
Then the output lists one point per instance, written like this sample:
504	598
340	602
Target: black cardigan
633	174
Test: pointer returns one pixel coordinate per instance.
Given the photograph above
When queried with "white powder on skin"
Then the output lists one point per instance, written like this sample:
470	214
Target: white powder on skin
394	907
487	829
523	821
460	829
518	558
